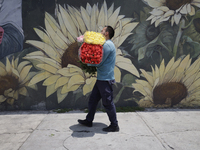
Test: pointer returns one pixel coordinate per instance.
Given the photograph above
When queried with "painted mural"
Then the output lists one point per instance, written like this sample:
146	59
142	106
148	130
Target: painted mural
157	43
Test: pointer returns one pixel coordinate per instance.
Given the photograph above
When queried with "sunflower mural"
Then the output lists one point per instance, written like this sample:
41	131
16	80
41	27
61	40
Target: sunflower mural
57	58
176	84
173	10
169	30
147	39
14	79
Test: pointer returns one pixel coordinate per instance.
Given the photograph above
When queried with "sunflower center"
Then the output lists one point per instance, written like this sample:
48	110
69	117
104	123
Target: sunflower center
175	91
7	82
152	32
197	24
70	55
176	4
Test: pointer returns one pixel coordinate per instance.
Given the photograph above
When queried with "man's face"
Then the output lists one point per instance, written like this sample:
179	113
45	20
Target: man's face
103	31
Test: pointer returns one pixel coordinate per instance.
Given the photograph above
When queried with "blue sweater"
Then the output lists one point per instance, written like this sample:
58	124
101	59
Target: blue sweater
105	70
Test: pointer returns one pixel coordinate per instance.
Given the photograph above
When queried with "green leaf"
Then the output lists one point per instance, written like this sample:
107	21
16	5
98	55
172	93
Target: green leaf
195	46
197	14
164	39
142	50
118	95
128	79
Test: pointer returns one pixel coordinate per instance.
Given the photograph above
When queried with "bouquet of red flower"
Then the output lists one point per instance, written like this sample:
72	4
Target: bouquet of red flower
91	54
91	51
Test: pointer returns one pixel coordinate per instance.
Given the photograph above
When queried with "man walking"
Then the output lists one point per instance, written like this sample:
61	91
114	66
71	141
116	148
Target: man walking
103	86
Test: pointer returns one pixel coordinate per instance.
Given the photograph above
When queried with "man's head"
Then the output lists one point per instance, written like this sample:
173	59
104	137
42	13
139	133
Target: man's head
108	32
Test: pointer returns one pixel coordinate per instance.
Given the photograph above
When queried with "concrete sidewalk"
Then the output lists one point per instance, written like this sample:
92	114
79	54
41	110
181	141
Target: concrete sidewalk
153	129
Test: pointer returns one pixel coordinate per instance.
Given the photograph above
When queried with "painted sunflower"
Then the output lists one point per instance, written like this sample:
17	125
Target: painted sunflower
173	10
58	55
177	83
14	78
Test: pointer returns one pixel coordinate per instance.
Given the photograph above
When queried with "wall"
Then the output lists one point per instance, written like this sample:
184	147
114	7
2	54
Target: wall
157	45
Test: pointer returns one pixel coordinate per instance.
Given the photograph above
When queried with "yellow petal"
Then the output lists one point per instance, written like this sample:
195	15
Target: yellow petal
43	36
50	90
168	76
65	89
190	80
24	72
86	18
46	60
53	33
73	68
139	88
23	91
101	18
61	81
35	53
8	66
10	101
93	19
148	77
2	98
16	62
144	84
2	71
48	68
2	65
65	72
128	67
123	38
69	24
88	87
90	80
39	77
62	25
113	18
51	80
81	23
9	92
15	73
169	65
16	94
180	69
75	79
60	96
129	27
46	48
28	77
33	86
110	10
192	11
117	74
122	59
21	65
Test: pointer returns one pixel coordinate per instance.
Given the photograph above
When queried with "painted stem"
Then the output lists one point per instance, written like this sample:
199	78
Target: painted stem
178	37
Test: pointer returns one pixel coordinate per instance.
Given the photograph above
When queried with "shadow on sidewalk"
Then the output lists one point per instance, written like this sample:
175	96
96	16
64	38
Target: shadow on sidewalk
81	131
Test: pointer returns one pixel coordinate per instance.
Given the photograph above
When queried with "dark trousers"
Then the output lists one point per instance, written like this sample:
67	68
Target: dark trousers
102	90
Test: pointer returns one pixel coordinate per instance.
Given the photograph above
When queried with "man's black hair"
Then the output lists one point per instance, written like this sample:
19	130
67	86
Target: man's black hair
111	31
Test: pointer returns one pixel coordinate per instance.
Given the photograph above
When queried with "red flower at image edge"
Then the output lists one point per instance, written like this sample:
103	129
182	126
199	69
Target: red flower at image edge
90	53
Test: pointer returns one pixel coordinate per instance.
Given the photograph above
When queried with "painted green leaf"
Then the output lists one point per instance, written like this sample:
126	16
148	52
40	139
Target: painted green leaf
128	79
193	46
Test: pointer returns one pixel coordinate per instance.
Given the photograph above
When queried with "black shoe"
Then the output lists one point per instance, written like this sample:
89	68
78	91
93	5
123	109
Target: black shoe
111	129
85	123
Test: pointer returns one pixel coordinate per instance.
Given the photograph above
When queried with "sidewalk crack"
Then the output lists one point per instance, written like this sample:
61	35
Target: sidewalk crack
154	133
33	130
